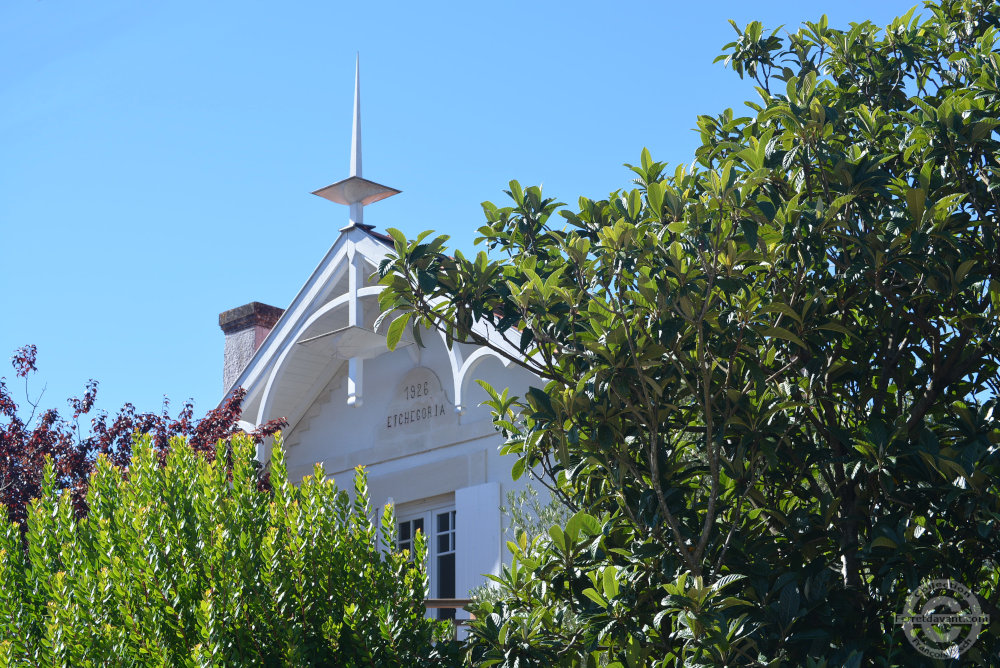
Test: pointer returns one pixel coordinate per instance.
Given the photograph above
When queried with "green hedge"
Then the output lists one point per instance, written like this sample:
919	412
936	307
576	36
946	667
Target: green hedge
187	563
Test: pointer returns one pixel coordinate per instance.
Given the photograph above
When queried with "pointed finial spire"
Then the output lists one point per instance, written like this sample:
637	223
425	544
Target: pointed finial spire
355	191
356	129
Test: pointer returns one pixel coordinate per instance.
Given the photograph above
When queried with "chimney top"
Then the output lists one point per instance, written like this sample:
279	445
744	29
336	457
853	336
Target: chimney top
249	315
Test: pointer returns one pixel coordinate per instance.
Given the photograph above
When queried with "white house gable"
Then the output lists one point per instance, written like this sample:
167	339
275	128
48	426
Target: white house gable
411	416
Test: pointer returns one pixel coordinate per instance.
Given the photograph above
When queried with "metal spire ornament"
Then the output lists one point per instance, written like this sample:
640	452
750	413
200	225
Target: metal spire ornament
355	191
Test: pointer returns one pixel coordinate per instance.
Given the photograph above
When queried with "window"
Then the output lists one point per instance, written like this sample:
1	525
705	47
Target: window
440	546
407	529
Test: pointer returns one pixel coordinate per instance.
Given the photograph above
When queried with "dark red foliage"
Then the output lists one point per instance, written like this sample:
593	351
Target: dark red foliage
25	442
23	360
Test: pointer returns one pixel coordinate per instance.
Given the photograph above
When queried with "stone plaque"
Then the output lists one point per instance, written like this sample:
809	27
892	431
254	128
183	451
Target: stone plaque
419	402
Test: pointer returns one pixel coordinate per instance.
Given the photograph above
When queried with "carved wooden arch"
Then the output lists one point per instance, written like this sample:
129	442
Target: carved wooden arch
277	372
468	367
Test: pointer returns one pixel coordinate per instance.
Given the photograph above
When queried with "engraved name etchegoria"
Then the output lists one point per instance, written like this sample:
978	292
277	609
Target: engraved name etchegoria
414	415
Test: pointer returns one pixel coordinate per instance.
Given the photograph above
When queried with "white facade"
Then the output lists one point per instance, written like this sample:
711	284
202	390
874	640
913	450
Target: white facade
411	417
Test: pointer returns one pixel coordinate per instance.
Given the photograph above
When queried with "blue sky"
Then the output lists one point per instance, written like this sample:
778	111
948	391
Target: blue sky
157	159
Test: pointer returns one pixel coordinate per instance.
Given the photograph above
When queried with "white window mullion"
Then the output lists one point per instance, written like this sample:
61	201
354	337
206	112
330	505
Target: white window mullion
444	559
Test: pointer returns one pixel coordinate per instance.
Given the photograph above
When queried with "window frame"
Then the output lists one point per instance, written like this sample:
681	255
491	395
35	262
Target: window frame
428	510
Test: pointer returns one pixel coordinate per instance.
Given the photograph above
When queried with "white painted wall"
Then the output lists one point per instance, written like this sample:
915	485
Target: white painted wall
416	446
415	422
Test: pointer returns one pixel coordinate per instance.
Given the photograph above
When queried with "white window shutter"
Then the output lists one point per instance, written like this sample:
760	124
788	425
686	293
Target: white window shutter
477	536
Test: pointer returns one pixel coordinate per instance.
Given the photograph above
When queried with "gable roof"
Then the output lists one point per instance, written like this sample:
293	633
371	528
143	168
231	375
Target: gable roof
332	295
330	324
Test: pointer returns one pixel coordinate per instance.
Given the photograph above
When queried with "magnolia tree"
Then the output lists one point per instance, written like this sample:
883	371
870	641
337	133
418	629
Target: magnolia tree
768	380
28	436
184	561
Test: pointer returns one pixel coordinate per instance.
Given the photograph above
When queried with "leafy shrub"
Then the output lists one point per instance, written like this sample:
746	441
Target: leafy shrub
29	435
561	602
779	363
188	563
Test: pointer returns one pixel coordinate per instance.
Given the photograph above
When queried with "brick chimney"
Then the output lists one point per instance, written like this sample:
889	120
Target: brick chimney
245	328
